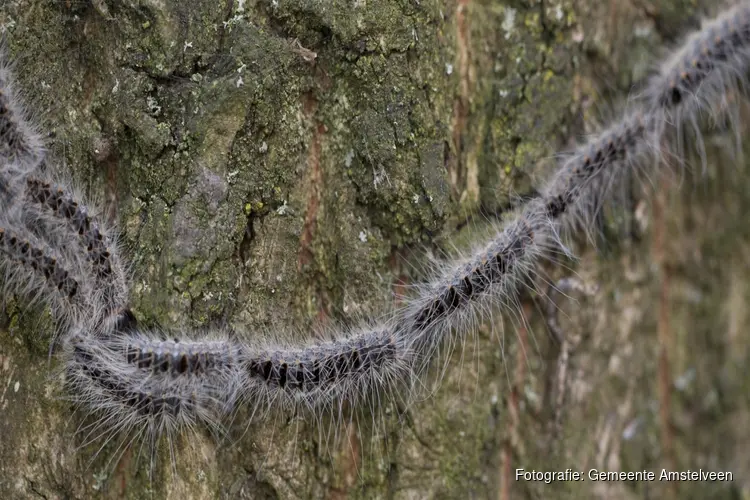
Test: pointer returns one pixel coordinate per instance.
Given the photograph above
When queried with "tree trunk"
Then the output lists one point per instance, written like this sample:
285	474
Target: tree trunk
275	165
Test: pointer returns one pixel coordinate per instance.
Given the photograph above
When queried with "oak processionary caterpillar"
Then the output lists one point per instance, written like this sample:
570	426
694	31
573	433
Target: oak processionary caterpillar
151	386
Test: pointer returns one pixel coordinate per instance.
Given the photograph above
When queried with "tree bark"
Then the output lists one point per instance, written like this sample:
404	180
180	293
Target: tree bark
275	165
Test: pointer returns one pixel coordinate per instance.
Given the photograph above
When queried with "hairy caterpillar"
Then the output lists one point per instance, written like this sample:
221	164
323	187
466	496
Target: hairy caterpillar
21	142
148	384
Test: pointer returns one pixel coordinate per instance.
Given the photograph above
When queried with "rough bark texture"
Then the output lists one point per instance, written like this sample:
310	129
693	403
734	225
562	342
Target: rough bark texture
277	164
